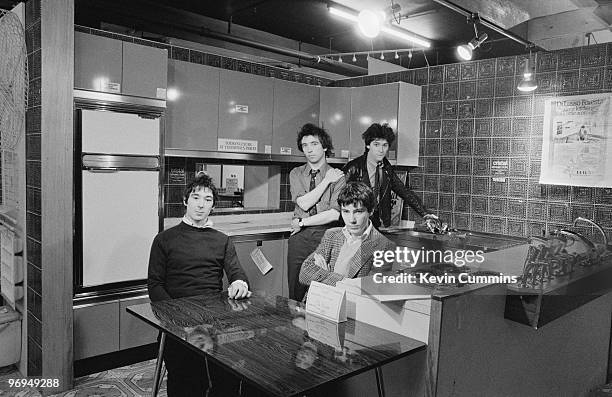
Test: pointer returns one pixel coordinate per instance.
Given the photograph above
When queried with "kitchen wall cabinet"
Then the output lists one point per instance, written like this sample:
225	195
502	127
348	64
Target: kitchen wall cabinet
335	117
97	63
399	105
145	71
295	104
192	118
275	281
110	65
245	113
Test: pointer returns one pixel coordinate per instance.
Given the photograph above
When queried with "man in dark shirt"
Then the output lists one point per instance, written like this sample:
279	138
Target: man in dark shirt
189	259
314	189
373	169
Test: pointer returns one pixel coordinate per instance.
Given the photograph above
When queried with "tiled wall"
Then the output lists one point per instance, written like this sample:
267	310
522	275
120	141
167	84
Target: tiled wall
185	167
472	117
33	191
203	58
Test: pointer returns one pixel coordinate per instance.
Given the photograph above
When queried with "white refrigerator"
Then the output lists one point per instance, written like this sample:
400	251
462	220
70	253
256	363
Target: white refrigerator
119	196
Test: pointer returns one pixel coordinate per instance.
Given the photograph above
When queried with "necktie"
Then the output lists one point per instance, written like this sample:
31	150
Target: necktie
377	181
313	175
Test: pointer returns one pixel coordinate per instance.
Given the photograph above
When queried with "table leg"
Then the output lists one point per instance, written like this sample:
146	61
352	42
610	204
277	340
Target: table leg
158	365
379	382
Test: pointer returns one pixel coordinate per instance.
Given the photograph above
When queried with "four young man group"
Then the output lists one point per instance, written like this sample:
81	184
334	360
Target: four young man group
190	258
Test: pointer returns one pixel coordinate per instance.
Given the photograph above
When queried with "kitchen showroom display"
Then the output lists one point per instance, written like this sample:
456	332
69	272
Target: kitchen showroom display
119	187
577	146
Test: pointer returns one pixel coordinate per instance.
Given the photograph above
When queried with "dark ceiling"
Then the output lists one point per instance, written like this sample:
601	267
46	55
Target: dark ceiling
305	21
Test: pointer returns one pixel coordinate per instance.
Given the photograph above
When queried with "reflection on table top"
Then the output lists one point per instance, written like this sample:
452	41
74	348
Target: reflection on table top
269	340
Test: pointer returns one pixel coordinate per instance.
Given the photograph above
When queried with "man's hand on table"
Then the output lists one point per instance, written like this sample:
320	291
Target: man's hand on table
239	289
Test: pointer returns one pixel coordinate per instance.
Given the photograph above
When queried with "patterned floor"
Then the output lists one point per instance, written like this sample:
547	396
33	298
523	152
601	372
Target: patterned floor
128	381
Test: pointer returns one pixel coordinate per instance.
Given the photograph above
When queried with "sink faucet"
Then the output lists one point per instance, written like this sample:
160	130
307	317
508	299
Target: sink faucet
605	238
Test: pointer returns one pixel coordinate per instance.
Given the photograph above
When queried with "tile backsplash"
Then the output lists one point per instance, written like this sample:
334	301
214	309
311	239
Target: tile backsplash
481	141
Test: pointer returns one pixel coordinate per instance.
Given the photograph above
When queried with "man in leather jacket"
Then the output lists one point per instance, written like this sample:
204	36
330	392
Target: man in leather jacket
365	168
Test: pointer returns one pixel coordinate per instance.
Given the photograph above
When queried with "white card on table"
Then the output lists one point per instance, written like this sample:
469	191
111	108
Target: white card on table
326	301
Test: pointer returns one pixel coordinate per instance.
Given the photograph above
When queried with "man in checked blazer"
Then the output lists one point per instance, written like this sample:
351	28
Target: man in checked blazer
347	252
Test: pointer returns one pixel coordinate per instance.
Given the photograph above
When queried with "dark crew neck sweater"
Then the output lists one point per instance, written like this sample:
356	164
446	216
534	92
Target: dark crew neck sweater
187	261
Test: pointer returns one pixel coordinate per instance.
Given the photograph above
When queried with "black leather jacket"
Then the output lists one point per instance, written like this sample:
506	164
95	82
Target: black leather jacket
357	170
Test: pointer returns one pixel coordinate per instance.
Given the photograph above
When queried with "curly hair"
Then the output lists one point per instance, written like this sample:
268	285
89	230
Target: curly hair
202	180
355	193
311	129
378	131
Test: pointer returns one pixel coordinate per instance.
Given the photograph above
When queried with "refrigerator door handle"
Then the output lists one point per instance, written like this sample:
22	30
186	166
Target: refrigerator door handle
103	170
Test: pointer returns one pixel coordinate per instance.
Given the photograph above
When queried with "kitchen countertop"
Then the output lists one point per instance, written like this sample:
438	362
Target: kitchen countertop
245	224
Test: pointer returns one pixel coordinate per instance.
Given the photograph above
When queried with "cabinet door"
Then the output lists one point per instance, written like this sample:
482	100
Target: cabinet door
96	329
133	331
335	117
408	126
372	104
97	63
193	116
145	71
294	105
245	113
274	282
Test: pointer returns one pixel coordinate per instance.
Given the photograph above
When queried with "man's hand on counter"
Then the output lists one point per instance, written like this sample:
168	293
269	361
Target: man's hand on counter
238	290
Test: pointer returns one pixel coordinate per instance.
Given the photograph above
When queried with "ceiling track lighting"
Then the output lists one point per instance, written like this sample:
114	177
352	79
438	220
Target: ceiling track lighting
466	51
372	23
528	83
395	54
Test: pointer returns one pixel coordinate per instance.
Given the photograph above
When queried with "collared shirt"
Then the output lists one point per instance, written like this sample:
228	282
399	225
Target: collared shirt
299	180
188	221
350	248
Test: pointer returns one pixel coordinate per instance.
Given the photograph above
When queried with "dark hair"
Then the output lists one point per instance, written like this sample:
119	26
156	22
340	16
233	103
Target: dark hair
201	180
320	133
355	193
378	131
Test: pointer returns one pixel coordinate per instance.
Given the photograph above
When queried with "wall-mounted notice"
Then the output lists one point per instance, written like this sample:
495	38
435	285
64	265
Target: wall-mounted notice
236	145
577	141
176	175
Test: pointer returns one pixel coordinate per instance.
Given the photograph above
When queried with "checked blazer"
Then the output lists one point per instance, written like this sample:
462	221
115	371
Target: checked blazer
360	264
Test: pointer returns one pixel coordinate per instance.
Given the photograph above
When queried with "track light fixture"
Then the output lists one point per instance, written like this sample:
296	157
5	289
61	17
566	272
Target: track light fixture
371	23
466	51
528	83
392	54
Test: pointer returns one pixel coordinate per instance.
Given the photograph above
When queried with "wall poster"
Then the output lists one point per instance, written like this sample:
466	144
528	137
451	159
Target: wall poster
577	142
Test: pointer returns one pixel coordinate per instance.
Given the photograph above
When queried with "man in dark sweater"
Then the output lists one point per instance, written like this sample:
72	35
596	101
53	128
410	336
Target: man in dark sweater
189	259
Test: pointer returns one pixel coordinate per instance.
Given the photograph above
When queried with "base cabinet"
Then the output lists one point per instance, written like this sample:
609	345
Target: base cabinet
107	327
134	332
275	281
96	329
